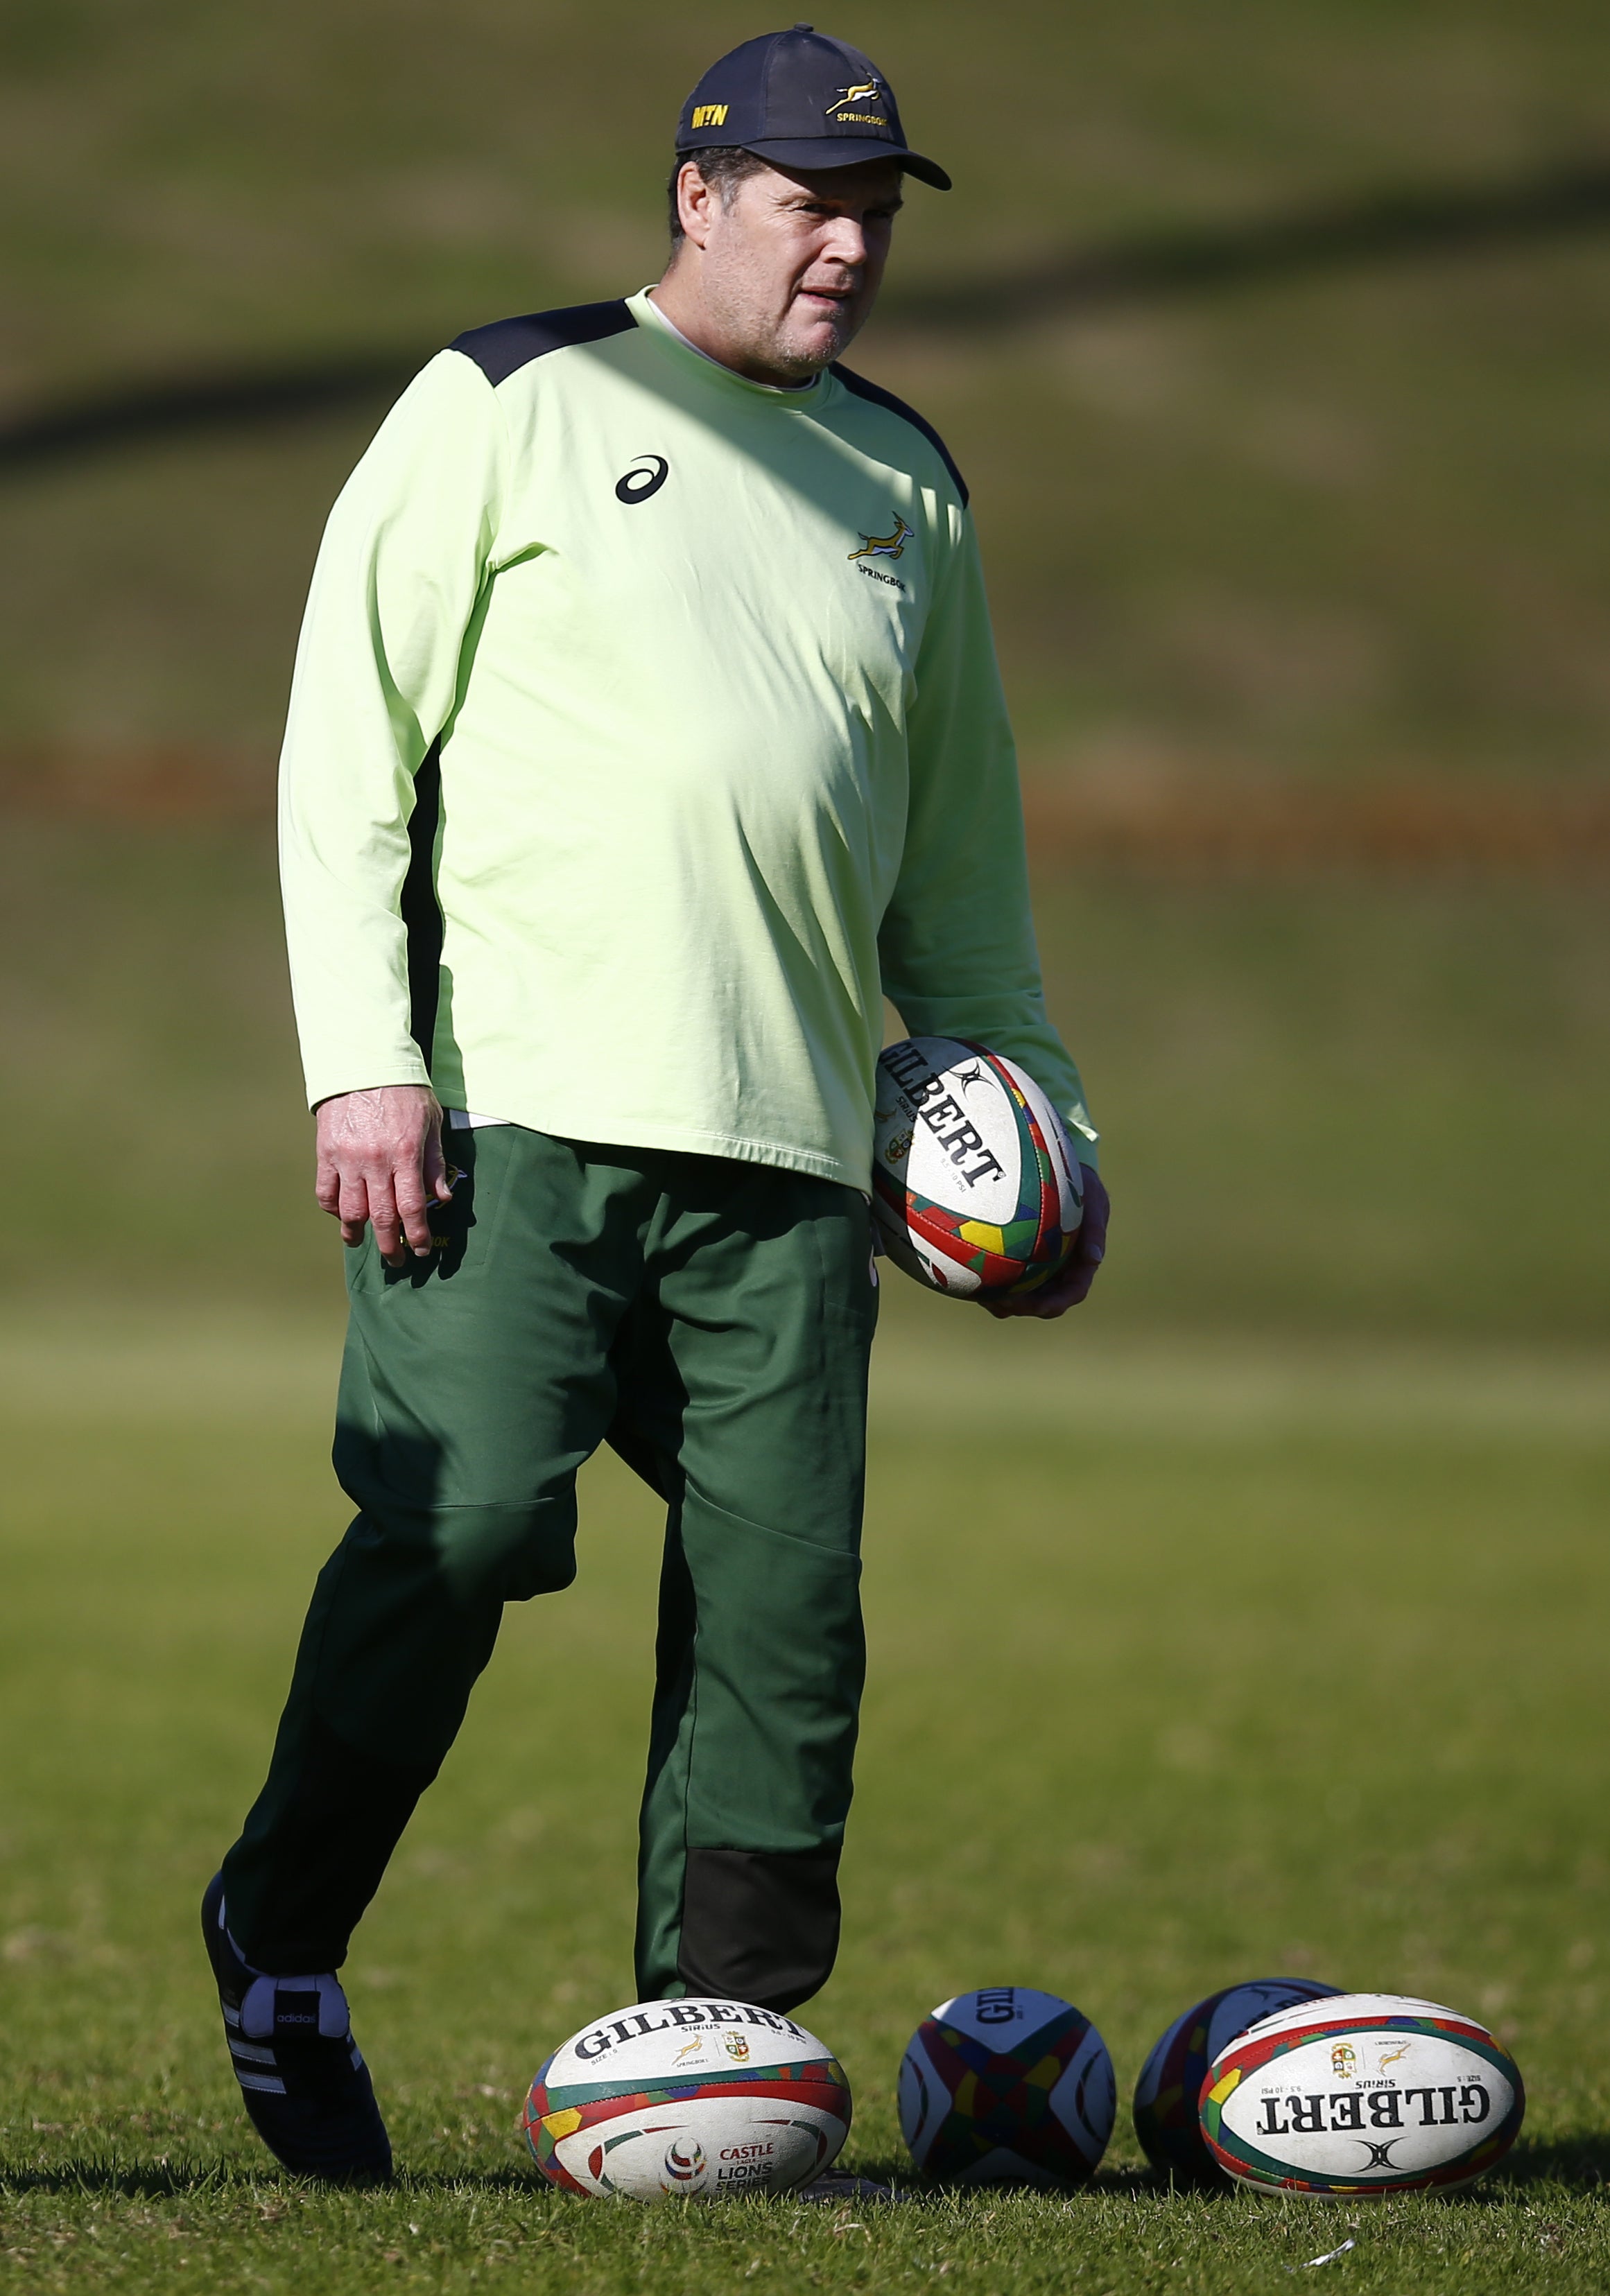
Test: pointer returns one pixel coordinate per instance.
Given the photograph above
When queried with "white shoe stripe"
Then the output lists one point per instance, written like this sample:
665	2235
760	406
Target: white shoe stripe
270	2082
249	2052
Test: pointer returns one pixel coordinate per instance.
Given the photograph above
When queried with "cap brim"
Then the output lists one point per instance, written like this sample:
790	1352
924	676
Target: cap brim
844	152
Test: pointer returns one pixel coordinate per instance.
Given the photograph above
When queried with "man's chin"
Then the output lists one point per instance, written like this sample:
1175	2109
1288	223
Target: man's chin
808	345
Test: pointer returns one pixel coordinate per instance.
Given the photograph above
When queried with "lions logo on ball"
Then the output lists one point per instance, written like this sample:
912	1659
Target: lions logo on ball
685	2165
1008	2085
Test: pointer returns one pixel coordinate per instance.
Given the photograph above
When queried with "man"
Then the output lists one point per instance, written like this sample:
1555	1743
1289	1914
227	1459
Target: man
614	793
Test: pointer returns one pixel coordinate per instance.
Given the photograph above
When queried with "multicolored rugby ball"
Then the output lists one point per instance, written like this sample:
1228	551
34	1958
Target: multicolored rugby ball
1166	2095
1005	2086
976	1186
701	2097
1360	2095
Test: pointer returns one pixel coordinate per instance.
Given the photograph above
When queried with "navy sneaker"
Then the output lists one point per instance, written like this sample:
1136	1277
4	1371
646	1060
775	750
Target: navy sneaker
307	2088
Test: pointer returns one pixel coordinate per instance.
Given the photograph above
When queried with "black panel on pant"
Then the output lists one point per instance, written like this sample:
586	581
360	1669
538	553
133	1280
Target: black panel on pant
759	1925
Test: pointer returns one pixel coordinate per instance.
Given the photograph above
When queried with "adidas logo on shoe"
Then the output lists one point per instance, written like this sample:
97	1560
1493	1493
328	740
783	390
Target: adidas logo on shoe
306	2086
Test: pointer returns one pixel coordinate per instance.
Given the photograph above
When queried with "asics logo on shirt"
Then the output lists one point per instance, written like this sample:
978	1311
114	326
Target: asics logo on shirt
885	545
646	476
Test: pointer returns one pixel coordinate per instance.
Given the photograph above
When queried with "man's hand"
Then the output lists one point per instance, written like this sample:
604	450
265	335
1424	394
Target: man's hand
380	1163
1071	1281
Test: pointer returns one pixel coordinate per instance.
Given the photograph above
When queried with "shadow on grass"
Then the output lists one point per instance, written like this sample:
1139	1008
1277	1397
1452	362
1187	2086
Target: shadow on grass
162	2180
1392	224
1579	2162
159	2180
155	2181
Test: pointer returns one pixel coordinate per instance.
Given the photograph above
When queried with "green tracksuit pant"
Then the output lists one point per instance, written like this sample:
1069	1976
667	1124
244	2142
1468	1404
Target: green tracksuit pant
712	1320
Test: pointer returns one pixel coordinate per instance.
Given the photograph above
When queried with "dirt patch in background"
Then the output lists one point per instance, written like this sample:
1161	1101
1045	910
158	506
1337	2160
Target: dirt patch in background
1231	828
171	782
1214	827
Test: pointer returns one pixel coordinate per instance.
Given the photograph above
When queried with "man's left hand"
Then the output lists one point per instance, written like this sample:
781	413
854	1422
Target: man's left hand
1071	1281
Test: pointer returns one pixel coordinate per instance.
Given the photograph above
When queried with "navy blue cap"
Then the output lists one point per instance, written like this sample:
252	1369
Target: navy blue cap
803	100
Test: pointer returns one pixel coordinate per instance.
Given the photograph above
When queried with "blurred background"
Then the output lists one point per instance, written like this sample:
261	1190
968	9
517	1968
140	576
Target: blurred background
1274	338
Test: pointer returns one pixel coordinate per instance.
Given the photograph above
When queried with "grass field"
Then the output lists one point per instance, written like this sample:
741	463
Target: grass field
1343	523
1329	1106
1255	1625
1187	1665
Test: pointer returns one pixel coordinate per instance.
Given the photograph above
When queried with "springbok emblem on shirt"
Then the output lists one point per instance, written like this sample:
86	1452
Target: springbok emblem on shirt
885	545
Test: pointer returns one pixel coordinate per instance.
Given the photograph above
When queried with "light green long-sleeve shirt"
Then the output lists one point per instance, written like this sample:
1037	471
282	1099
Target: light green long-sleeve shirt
694	685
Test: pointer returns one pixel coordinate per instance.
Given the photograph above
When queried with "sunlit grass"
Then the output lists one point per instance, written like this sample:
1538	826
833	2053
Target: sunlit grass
1154	1703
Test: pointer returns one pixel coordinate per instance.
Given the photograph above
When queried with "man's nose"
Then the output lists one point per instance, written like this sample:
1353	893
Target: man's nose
845	242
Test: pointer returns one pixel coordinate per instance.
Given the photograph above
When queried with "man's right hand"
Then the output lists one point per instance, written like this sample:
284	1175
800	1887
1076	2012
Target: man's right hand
379	1164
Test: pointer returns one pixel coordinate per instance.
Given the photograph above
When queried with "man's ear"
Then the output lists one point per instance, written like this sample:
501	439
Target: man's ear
696	203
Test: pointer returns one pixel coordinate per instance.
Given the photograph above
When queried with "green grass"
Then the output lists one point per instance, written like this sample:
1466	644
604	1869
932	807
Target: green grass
1187	1664
1342	528
1345	526
194	180
1328	1107
1255	1624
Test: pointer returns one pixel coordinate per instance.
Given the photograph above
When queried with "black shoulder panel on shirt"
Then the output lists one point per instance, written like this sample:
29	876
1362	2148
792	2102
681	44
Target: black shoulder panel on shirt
503	348
882	398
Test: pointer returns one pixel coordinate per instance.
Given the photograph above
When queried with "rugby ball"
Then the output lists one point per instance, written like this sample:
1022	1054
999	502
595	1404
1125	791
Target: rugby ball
701	2097
1005	2086
976	1186
1166	2095
1364	2094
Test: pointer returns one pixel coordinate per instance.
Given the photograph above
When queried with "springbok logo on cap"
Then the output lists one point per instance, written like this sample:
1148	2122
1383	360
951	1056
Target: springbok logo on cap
866	91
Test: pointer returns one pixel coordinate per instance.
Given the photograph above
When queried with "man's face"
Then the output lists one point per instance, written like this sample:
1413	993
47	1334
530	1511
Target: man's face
791	269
